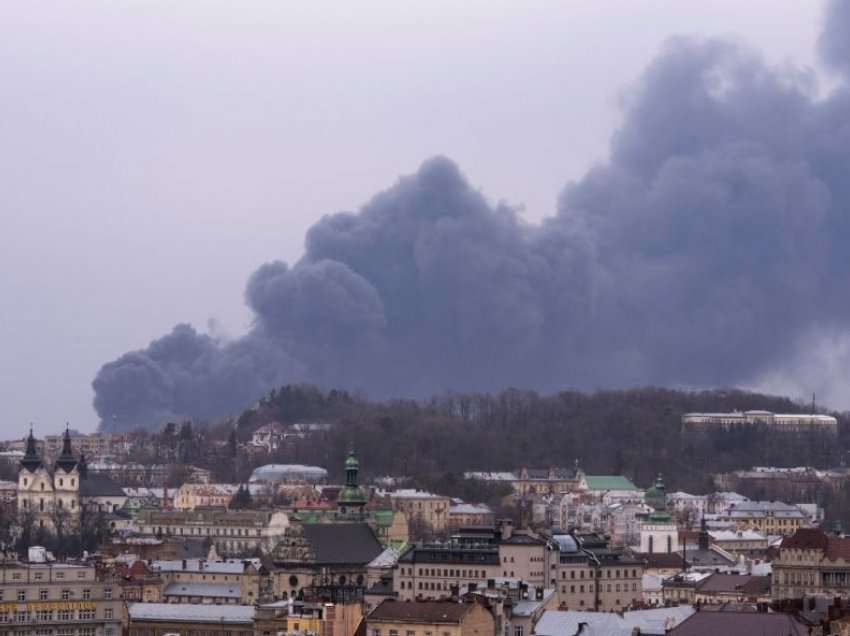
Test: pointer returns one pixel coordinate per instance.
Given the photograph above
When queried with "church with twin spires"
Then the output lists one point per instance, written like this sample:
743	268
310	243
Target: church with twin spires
55	494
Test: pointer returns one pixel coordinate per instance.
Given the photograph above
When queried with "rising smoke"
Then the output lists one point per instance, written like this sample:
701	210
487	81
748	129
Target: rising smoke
713	245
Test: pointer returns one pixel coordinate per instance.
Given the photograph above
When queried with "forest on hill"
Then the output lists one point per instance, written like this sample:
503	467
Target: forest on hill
633	432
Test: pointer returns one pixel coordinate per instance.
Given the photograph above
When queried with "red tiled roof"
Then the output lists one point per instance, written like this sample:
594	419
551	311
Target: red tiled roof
732	583
419	611
833	548
806	539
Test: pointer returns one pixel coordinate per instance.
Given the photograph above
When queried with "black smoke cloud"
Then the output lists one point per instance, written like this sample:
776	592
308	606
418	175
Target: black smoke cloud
706	251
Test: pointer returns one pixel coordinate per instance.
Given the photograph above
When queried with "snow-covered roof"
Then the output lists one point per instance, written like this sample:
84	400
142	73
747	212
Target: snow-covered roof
737	535
288	472
230	566
232	614
413	493
491	475
652	621
469	509
386	559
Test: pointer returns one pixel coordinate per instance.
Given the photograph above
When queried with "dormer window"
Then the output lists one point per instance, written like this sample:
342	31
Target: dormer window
72	483
61	482
25	481
42	485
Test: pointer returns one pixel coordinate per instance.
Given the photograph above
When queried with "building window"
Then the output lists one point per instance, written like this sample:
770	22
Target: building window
22	595
107	613
86	594
66	594
107	593
518	630
42	595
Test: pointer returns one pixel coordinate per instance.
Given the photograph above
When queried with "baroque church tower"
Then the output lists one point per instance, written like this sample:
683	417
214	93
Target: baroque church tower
49	496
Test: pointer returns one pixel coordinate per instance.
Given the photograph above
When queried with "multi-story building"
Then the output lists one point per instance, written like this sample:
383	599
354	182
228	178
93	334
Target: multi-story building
591	575
535	481
58	599
421	507
437	570
768	517
811	562
229	581
464	514
234	532
93	445
191	496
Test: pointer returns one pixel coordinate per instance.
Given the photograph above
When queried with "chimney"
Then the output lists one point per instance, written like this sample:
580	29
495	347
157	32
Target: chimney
507	527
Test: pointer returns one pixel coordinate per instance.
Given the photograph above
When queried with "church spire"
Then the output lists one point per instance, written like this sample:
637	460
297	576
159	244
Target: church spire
66	460
31	460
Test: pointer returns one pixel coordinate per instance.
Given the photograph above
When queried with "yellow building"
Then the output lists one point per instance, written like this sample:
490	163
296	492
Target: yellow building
422	507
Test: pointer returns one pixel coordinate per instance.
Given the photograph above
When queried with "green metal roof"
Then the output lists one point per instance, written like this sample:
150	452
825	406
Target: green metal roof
609	482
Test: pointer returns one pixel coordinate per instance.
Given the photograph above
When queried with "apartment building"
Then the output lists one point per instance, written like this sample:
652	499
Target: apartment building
433	571
234	532
59	599
422	507
592	576
811	562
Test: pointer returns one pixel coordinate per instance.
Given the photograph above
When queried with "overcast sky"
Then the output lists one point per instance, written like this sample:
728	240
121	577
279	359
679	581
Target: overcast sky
154	154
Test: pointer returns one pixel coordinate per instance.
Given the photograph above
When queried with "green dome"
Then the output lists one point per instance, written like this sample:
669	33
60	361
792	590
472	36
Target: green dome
352	495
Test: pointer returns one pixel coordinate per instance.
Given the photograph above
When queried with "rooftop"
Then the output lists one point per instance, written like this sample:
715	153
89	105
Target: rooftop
209	590
609	482
420	611
230	614
740	624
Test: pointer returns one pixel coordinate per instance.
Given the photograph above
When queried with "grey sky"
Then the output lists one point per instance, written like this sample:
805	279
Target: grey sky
155	154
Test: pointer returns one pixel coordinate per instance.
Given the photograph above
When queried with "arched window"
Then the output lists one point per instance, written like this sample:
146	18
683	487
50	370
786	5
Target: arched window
651	543
669	544
41	504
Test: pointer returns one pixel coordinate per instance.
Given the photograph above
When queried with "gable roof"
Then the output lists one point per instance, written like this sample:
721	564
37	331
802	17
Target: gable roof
739	624
338	543
420	611
609	482
732	583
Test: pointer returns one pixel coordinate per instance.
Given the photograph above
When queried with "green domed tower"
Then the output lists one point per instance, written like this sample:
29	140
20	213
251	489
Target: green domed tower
352	498
657	498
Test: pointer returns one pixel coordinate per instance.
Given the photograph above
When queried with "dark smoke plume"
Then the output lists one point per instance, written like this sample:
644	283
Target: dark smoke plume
708	250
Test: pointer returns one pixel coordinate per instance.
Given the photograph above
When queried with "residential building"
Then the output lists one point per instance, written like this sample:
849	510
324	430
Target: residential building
60	599
269	436
696	423
535	481
811	562
437	570
591	575
430	618
422	508
733	588
228	581
191	496
464	514
611	489
138	582
233	532
768	517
